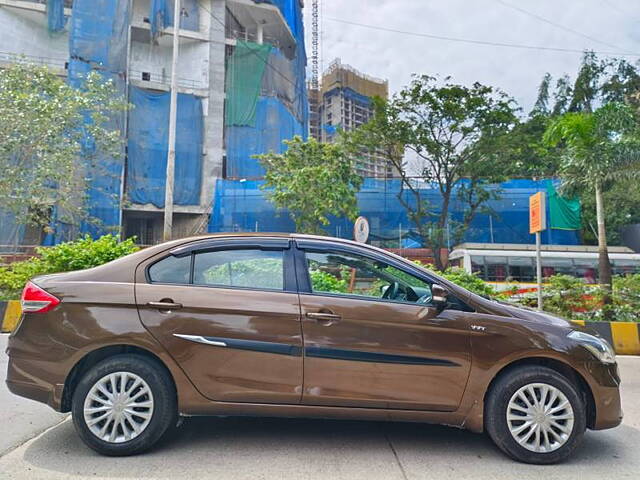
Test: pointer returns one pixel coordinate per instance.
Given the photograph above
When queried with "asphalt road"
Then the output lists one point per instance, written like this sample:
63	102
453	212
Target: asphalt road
20	419
256	448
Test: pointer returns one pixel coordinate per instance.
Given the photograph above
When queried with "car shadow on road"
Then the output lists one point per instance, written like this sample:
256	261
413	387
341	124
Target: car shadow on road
236	447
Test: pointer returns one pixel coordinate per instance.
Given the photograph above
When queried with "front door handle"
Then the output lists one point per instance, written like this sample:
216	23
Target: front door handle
324	318
165	306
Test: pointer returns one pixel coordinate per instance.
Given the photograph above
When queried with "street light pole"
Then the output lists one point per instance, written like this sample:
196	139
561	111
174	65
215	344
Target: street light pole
173	112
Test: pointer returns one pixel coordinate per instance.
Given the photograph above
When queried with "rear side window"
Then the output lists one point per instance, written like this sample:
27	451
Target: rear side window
172	270
240	268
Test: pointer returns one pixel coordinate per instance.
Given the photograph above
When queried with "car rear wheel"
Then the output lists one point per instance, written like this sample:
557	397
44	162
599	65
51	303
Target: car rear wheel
124	405
535	415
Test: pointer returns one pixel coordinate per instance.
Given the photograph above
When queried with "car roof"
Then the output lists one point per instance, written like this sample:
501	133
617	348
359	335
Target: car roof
294	236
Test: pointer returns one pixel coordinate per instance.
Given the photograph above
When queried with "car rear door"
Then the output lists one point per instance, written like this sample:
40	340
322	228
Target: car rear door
365	351
228	312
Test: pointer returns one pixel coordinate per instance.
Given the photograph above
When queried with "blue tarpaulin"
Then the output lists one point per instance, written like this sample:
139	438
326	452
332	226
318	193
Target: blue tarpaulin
161	15
282	109
55	16
243	206
98	33
274	123
148	146
97	42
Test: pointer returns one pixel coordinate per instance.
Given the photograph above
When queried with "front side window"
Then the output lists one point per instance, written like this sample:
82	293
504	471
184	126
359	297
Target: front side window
240	268
348	274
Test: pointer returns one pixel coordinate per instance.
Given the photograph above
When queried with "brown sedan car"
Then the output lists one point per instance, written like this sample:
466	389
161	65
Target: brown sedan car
294	325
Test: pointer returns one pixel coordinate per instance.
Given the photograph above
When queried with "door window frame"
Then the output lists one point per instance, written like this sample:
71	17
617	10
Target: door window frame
304	278
284	245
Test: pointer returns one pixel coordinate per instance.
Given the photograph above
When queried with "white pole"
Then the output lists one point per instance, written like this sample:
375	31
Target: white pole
491	227
260	34
173	111
539	268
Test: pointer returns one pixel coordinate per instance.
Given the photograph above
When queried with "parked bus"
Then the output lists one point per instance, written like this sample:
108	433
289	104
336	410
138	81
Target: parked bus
508	265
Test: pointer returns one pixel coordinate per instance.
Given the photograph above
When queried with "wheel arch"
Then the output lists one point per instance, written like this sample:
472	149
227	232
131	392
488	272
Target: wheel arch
93	357
560	367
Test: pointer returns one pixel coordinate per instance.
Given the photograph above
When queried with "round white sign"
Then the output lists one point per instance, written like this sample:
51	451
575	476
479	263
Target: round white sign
361	230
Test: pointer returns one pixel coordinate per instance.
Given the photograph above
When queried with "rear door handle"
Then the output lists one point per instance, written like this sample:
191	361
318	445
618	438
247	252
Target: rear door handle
165	305
324	317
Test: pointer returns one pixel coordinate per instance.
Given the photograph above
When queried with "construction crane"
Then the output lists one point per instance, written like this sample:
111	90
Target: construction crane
314	90
315	45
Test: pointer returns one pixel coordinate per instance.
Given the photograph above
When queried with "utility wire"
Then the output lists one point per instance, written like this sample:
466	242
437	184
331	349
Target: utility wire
557	25
614	6
264	60
620	10
478	42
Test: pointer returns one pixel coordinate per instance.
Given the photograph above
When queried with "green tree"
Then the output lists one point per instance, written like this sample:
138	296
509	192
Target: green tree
621	208
456	134
44	124
562	95
312	180
597	148
587	85
541	107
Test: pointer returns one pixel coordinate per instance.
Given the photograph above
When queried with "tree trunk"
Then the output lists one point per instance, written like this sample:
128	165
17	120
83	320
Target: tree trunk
604	265
439	243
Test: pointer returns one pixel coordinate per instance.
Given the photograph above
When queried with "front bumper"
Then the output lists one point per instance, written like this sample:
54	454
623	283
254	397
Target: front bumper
606	395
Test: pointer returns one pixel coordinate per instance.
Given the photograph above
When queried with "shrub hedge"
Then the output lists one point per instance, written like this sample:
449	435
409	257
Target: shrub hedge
76	255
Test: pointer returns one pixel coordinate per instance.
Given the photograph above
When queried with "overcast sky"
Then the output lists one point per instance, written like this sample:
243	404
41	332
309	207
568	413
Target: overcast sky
393	56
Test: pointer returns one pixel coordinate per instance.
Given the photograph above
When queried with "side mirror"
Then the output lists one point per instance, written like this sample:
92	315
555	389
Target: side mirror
439	295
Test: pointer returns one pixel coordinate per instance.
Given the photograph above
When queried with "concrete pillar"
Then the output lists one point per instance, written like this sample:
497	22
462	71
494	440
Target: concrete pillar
260	34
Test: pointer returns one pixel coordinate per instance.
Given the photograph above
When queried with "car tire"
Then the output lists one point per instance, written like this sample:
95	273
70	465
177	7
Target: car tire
124	405
551	427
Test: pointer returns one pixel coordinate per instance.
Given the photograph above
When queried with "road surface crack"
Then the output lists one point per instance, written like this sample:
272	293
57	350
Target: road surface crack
395	455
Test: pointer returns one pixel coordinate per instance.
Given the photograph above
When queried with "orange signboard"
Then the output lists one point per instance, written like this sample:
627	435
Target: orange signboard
537	212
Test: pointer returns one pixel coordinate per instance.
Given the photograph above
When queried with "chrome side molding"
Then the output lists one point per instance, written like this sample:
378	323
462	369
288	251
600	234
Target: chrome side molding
200	339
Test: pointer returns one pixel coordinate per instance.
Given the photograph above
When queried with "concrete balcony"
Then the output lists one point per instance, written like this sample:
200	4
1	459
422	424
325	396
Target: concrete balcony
39	6
59	65
259	23
141	27
141	32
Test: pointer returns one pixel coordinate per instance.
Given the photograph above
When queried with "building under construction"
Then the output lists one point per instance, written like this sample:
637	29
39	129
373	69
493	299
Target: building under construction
241	92
344	102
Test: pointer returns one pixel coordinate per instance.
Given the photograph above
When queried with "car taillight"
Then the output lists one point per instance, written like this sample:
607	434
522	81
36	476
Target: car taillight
36	300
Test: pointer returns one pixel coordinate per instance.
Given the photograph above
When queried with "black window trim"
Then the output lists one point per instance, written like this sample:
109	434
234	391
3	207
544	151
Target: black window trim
266	244
203	246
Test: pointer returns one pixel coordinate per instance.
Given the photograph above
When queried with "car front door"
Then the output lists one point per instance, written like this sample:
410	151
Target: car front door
372	336
228	312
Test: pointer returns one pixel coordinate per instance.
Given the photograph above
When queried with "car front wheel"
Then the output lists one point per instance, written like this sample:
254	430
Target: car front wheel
124	405
535	415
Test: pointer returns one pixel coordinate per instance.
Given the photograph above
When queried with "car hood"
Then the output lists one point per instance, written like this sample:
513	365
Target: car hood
535	316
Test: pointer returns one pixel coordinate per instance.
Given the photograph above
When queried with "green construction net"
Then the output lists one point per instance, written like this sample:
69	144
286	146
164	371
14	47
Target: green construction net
564	213
245	69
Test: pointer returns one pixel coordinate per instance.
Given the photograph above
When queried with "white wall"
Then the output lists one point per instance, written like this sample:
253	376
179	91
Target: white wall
193	62
24	32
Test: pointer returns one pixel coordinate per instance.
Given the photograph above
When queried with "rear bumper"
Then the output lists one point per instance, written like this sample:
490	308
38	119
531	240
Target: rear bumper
21	381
